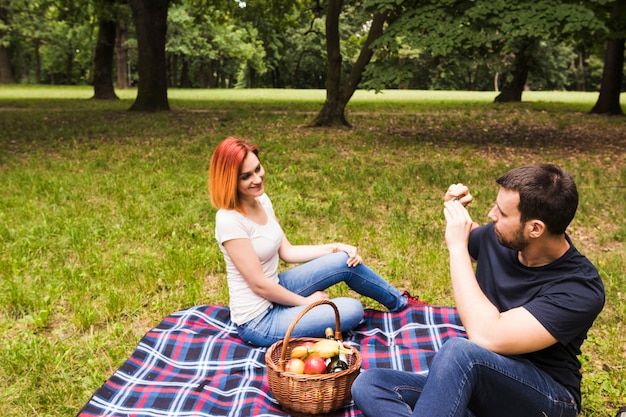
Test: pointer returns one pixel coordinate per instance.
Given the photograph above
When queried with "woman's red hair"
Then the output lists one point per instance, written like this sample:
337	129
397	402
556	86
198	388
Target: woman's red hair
224	172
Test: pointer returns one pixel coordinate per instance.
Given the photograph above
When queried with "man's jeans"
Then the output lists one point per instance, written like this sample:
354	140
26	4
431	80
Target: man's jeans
464	380
318	275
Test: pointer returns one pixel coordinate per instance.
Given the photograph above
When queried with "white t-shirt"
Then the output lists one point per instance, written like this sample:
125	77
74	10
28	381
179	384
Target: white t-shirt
245	305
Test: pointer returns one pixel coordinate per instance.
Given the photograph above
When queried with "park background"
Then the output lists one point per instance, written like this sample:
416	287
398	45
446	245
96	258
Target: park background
106	226
105	222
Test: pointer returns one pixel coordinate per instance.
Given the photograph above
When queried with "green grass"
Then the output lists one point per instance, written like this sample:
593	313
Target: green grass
106	225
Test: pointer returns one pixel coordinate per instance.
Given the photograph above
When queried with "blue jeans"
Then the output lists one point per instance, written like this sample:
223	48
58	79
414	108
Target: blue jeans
464	380
318	275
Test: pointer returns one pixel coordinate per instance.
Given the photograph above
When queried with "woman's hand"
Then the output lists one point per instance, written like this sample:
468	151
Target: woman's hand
317	296
354	258
292	254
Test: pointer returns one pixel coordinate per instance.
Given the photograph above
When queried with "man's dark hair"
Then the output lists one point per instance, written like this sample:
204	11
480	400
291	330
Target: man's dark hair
546	192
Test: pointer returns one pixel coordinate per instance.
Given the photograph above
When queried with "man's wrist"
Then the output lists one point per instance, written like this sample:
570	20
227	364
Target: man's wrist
456	253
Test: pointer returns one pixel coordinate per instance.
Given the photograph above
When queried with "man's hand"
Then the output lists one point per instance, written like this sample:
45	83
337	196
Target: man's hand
458	192
459	224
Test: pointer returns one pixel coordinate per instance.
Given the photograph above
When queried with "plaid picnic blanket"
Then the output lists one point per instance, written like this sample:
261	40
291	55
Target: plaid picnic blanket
194	364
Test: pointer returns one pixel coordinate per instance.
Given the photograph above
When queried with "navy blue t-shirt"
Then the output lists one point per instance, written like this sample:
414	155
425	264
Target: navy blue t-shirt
565	296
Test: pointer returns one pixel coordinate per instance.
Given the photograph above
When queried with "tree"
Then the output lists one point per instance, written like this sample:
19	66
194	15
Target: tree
513	87
339	90
6	70
613	73
532	22
25	26
209	47
150	18
122	48
305	66
105	47
505	37
73	38
273	23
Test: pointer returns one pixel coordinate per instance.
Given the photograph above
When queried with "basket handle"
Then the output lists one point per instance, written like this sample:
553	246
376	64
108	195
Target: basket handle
281	360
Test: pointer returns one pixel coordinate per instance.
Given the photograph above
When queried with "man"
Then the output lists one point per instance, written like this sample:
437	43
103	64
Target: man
526	310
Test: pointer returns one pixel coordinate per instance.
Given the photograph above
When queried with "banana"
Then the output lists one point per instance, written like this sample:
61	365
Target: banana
324	349
343	350
299	352
328	348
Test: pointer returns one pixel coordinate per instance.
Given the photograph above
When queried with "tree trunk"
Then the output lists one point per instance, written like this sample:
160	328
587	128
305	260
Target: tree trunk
36	43
172	64
212	74
69	65
251	77
150	18
338	95
612	76
404	84
613	72
512	89
581	81
121	55
296	71
103	60
6	71
185	78
277	79
204	77
474	80
332	113
365	55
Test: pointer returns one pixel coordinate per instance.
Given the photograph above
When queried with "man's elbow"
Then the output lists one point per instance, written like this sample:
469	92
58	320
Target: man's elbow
490	343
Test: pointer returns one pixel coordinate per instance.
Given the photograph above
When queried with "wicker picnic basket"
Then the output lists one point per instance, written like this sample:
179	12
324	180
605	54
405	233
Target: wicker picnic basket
302	394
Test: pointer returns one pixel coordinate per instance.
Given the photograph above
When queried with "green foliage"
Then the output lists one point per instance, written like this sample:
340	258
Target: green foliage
209	37
305	65
57	36
185	35
430	44
463	44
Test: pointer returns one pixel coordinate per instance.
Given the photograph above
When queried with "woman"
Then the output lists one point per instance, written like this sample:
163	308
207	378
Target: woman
263	303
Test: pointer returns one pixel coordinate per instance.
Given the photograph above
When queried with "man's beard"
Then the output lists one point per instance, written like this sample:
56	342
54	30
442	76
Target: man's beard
517	242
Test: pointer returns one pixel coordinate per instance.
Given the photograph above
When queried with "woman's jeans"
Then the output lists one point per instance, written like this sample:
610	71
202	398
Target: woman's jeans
318	275
464	380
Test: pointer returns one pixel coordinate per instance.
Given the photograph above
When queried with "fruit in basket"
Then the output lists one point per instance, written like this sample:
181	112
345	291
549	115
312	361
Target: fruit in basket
323	349
295	366
299	352
302	351
328	348
314	365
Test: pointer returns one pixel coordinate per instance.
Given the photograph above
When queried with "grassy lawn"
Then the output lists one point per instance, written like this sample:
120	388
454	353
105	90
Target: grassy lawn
106	225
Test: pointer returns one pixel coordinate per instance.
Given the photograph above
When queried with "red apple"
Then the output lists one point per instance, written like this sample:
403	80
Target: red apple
314	365
295	365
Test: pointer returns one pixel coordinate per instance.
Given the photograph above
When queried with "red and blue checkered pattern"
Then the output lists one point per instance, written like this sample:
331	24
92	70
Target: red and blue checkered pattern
194	364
